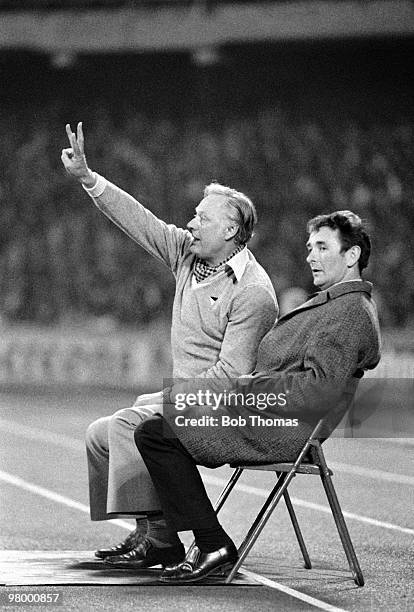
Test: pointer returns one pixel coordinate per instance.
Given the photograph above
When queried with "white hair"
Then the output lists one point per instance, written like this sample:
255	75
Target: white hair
242	209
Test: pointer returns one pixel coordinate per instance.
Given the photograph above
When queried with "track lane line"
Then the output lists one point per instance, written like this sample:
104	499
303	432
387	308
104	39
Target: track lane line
289	591
219	482
53	496
71	503
36	434
350	468
41	435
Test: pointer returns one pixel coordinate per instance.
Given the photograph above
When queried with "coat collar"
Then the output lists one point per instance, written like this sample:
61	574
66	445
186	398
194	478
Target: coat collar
331	294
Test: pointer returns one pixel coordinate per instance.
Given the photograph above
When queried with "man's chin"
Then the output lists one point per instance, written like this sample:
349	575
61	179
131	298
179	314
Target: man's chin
321	285
195	248
318	282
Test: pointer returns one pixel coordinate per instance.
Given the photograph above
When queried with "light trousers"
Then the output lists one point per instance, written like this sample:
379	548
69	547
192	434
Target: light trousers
119	482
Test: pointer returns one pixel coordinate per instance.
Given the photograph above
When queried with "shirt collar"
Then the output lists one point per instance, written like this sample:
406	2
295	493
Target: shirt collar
350	280
238	263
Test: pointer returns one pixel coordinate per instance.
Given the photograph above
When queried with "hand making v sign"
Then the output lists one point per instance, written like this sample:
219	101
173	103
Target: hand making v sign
74	159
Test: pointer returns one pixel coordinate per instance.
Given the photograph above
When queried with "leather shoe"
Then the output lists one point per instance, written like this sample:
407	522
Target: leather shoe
132	540
203	565
191	557
147	555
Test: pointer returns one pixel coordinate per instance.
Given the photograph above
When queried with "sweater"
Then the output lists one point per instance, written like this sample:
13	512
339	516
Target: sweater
217	324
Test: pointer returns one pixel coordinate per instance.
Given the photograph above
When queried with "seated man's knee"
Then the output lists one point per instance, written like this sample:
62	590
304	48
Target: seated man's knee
97	433
120	416
125	419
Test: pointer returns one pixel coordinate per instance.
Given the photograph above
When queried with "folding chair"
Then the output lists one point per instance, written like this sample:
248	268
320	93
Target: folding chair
310	460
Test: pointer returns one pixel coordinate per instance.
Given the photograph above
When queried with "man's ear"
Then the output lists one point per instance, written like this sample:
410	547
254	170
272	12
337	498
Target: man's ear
352	255
230	232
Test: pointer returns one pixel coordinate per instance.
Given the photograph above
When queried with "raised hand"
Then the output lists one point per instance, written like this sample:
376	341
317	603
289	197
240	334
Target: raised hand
74	159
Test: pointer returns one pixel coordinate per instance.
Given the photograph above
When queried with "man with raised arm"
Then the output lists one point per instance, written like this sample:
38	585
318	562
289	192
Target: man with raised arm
223	306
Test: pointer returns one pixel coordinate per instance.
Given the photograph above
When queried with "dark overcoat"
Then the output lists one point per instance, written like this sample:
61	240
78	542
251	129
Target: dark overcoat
315	356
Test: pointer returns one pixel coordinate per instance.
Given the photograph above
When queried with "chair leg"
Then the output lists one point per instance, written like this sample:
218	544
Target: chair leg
261	514
340	521
260	521
298	533
227	489
343	530
270	504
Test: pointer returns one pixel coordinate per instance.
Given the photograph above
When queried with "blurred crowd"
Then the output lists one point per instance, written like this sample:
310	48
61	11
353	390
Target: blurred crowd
61	259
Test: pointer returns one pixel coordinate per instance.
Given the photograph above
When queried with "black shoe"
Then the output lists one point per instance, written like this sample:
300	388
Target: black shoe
205	564
191	557
147	555
132	540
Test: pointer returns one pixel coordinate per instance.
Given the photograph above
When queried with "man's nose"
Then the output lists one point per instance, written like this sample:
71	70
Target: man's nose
310	257
192	224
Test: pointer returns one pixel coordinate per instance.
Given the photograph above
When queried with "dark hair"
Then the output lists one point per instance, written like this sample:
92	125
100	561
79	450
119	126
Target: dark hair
350	229
241	209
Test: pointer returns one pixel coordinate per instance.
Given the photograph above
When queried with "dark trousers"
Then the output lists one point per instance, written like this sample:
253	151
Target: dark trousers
184	500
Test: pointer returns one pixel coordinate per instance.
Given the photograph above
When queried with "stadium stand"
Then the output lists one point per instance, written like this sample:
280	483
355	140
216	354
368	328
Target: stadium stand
59	256
318	127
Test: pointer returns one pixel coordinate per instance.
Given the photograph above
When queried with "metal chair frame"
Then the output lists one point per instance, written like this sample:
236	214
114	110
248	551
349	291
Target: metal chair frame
285	472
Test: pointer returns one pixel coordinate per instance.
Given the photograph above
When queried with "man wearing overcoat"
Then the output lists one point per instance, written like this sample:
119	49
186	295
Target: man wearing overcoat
311	361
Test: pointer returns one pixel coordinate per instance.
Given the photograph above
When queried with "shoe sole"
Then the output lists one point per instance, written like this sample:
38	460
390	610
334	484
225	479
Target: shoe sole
108	556
112	553
132	566
141	565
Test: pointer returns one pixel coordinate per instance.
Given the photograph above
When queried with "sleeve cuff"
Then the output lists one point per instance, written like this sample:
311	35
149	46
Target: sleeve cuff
98	188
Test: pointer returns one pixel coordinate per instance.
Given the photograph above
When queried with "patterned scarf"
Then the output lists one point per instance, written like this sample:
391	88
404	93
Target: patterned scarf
202	270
